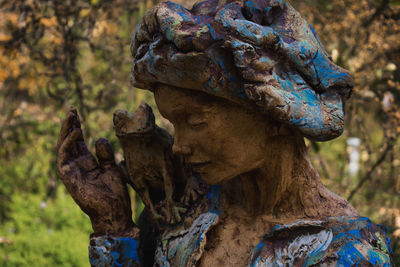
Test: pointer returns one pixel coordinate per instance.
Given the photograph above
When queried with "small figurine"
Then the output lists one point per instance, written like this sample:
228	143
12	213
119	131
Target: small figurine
152	169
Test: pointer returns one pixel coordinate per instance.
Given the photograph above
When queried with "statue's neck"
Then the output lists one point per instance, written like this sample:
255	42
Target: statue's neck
287	186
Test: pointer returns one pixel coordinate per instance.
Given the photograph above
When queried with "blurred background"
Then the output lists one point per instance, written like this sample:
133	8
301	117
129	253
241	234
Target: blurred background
60	53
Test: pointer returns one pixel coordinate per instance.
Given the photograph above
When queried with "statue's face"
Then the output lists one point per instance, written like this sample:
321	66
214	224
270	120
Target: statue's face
220	139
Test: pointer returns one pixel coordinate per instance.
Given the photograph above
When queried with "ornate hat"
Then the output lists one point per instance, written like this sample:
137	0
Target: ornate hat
258	53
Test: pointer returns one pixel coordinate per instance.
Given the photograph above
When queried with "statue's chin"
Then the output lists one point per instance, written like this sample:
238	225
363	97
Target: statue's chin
215	177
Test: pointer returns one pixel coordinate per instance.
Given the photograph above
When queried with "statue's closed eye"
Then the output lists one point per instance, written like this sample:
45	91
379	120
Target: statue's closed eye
197	121
198	126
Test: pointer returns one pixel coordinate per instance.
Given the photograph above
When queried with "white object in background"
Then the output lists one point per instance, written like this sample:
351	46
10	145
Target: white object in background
354	155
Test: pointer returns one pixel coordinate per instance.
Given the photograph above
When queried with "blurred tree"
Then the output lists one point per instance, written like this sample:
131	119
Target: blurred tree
58	53
55	54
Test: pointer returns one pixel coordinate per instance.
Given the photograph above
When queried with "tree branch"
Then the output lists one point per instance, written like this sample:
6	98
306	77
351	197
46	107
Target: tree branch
387	147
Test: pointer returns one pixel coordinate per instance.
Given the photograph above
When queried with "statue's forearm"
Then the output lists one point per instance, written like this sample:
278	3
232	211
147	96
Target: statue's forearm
123	227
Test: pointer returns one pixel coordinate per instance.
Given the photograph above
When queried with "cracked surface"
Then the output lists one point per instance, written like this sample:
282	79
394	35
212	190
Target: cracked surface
98	187
261	54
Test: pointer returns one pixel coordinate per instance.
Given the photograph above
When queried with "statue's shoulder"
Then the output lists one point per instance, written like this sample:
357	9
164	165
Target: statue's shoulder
335	241
183	244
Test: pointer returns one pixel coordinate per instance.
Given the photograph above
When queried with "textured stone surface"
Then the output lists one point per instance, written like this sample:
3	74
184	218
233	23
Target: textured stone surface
257	53
336	241
151	168
243	82
105	251
184	246
97	185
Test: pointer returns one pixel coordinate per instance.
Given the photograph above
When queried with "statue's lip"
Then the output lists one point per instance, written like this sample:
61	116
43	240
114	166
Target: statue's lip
199	165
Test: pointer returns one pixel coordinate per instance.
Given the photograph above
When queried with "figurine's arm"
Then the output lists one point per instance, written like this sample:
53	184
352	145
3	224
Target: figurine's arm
99	190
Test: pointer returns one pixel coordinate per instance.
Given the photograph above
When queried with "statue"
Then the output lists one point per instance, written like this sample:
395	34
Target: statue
243	82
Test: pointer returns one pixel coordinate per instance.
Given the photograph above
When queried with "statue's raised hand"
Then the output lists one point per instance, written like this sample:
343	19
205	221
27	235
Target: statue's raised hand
97	187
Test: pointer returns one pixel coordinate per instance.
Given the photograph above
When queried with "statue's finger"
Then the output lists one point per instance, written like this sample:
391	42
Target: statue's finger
166	214
67	125
75	123
67	149
104	151
71	122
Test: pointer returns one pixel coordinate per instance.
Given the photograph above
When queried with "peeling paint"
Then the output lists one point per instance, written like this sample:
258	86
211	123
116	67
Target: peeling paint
255	53
113	251
184	247
336	241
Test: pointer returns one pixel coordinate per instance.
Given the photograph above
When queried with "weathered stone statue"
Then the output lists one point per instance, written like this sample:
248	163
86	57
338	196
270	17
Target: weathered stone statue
243	82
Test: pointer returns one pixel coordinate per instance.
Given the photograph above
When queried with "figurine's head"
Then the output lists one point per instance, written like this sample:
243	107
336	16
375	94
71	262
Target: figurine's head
140	123
259	54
